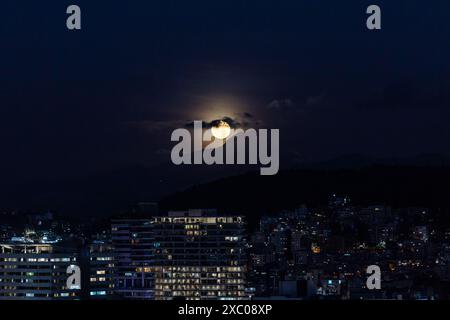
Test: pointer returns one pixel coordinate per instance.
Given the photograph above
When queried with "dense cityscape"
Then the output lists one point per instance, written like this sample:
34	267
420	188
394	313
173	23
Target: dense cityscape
203	254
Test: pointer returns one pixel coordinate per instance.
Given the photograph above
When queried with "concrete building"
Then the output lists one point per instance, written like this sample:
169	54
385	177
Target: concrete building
132	240
36	272
199	255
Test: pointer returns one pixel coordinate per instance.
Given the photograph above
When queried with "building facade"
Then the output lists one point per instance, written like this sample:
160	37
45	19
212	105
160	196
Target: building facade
101	271
36	272
132	240
198	255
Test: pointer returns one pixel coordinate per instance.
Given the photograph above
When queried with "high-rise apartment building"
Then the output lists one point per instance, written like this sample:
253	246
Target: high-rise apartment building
36	272
101	271
198	255
132	240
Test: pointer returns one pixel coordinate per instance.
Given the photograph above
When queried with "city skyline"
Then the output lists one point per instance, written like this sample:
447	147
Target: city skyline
230	153
310	253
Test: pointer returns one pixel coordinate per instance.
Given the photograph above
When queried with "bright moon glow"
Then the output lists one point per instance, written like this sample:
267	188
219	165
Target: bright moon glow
221	130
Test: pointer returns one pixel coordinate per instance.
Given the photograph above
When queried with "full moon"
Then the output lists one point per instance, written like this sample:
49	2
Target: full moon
221	130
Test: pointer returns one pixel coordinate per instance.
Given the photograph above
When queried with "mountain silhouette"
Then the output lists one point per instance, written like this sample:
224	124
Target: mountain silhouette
239	189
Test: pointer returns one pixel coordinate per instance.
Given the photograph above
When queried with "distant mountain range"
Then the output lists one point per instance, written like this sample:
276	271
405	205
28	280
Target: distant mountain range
419	181
399	186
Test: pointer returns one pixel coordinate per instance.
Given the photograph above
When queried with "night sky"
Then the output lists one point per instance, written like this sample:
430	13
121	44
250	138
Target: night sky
76	103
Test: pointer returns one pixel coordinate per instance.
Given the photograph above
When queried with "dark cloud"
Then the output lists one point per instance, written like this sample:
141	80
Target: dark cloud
313	101
234	124
281	104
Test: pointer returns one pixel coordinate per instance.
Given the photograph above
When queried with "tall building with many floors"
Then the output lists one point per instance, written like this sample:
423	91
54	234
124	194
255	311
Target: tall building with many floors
199	255
36	272
101	270
132	240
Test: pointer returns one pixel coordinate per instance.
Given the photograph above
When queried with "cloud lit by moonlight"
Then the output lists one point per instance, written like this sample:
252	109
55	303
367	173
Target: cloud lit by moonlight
221	130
